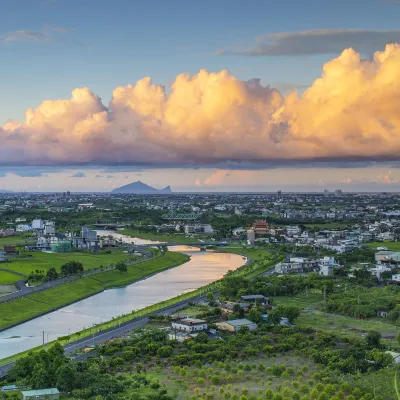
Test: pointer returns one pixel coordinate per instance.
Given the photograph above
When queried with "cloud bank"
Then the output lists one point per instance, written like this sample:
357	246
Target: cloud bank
322	41
352	112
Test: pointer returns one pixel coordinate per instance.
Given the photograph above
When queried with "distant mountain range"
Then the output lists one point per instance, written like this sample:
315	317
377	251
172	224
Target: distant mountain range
141	188
5	191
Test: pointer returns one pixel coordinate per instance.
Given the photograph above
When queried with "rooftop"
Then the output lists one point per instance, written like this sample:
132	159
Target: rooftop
40	392
240	322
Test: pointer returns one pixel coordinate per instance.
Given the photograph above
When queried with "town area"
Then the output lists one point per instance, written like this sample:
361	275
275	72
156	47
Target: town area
303	302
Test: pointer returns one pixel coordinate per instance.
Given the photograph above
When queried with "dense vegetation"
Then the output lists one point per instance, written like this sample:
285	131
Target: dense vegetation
273	362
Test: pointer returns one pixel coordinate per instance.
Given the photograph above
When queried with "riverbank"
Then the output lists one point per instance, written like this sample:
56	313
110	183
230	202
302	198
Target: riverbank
22	310
176	237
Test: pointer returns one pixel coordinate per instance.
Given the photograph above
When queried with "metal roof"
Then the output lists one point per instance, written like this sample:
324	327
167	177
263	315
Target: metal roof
40	392
240	322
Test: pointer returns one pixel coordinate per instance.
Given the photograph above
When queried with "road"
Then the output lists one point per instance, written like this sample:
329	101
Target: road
113	332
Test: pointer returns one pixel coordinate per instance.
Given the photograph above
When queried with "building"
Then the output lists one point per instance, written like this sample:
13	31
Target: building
198	228
261	227
10	249
251	237
41	394
49	228
62	246
37	224
236	324
23	228
2	256
190	325
382	312
7	232
88	235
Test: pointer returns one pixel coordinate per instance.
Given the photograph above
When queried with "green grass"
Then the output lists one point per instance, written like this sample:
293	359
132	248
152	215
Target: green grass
179	237
16	240
19	310
45	261
395	246
7	278
348	326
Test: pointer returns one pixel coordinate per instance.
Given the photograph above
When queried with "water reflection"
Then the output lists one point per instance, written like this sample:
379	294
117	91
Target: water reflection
203	268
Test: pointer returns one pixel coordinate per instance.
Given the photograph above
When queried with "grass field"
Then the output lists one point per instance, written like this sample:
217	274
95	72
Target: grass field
16	240
179	238
7	278
395	246
45	261
19	310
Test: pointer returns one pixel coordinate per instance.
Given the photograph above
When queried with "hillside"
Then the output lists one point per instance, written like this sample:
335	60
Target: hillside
141	188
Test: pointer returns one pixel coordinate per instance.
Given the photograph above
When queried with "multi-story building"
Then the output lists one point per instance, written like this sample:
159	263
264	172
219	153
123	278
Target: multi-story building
261	227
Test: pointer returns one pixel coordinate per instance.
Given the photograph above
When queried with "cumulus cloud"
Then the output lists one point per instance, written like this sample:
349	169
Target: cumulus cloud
322	41
351	113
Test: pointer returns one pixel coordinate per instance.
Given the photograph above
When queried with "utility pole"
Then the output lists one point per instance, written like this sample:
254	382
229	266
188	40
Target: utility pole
43	340
358	306
306	296
324	292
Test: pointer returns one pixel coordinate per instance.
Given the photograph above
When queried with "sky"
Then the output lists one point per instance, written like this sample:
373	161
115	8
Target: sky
203	96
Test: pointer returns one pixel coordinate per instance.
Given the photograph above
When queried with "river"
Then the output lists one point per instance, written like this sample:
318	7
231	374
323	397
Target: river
202	268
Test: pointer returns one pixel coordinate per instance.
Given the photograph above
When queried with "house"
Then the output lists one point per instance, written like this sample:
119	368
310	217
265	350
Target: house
180	336
382	312
236	324
10	249
2	256
9	388
7	232
229	306
41	394
261	227
255	298
190	325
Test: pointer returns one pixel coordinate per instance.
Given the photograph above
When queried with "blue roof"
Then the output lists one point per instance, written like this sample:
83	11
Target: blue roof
40	392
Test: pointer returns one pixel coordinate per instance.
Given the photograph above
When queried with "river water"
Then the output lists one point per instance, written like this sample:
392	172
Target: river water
202	268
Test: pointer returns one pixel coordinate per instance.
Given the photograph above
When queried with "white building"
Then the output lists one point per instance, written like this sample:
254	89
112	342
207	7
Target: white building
2	256
251	237
49	228
23	228
190	325
37	224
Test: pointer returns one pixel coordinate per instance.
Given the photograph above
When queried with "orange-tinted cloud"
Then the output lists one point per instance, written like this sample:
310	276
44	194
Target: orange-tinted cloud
351	112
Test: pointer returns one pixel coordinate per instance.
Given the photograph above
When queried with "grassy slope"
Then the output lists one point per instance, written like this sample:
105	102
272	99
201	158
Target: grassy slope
19	310
395	246
45	261
339	324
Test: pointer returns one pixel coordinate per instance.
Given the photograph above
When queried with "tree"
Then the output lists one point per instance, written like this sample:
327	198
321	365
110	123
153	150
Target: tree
51	274
373	339
121	267
66	377
40	378
210	298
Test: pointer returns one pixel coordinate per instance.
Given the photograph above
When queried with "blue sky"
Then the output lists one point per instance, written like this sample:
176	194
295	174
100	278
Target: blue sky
51	47
114	43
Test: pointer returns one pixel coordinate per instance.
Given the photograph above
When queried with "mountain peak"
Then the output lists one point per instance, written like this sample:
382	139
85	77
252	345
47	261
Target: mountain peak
140	187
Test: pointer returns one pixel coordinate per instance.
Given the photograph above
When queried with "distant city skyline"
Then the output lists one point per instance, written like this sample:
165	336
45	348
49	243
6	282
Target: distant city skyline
245	96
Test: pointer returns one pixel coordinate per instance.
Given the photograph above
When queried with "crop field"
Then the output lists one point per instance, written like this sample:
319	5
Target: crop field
7	278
